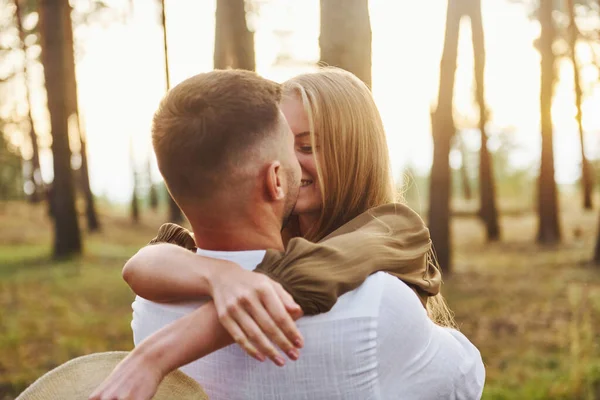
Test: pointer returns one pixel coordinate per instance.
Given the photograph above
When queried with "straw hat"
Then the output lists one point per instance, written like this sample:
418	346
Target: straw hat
78	378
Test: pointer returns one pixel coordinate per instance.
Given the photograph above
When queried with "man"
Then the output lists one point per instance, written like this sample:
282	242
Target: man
227	156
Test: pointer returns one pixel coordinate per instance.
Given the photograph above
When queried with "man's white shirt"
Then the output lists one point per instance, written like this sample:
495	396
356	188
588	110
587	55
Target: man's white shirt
377	342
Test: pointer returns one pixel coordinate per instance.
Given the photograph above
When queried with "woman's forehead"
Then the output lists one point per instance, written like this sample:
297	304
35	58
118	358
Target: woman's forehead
295	115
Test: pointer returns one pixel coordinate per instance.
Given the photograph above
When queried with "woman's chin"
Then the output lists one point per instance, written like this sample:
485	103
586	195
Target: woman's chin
303	208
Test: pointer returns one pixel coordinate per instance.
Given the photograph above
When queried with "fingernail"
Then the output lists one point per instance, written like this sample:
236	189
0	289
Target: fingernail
279	361
298	343
293	354
261	358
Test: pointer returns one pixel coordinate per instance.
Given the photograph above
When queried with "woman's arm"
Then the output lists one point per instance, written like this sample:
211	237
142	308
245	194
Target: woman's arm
390	238
189	338
245	301
165	272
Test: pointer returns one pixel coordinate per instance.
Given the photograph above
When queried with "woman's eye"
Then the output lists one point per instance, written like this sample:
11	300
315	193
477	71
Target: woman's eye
305	149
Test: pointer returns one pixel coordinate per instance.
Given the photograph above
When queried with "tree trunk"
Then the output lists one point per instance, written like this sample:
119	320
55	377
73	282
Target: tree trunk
345	38
135	203
175	214
222	52
487	185
152	194
597	251
443	129
73	110
586	176
67	237
464	170
234	42
548	229
36	173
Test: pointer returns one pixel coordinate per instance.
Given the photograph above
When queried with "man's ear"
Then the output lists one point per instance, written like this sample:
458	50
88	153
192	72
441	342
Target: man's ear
274	181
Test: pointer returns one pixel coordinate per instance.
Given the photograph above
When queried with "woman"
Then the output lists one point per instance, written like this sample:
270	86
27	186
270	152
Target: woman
340	144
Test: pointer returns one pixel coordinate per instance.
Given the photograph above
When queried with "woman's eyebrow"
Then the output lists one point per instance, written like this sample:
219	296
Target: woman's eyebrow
302	134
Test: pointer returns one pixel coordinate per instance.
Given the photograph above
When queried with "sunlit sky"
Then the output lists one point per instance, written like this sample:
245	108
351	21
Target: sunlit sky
121	77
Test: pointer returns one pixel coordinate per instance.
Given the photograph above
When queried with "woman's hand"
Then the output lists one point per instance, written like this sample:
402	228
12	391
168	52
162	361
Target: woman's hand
256	311
134	378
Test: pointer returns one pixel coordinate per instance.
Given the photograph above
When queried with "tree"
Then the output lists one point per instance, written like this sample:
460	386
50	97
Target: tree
234	42
67	237
135	203
464	170
443	130
36	173
487	186
175	214
586	176
548	229
73	113
345	39
597	251
152	193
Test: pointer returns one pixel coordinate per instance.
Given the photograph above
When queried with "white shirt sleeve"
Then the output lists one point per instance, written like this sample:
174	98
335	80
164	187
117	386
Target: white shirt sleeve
419	359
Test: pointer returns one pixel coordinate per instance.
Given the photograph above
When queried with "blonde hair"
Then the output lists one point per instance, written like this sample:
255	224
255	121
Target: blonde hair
352	158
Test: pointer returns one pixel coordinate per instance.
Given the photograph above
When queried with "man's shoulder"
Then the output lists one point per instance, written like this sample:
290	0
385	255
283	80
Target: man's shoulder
366	300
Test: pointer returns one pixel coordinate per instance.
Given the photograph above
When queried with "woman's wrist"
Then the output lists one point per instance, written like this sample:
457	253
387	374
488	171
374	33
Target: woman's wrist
212	274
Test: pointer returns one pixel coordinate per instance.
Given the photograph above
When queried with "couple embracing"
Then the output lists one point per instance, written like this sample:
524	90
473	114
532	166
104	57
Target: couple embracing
299	253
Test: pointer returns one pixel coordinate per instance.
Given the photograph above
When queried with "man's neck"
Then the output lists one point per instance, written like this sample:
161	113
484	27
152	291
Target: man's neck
237	235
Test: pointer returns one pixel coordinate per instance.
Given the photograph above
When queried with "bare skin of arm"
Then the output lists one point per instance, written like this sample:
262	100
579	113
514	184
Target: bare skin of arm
189	338
244	300
150	273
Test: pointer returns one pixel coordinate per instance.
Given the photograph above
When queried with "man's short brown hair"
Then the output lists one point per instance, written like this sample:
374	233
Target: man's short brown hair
210	124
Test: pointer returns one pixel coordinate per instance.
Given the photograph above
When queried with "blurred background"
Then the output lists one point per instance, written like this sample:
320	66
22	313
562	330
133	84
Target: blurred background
492	113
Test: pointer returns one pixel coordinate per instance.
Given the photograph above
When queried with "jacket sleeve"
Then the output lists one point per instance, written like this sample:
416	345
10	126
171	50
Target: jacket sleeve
390	238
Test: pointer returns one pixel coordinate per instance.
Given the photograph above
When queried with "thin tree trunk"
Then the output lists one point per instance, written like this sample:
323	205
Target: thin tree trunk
548	229
67	237
175	214
586	176
464	170
487	186
597	251
135	202
243	45
234	42
443	129
73	110
152	194
36	173
345	38
222	50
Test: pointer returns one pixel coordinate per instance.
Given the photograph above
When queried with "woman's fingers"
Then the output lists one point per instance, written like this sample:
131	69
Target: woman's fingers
238	335
257	337
291	306
272	330
277	303
257	312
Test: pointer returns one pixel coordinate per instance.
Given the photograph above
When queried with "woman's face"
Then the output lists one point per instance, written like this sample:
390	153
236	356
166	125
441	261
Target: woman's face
309	196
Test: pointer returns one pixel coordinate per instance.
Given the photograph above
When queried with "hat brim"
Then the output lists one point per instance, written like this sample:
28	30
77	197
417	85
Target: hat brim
78	378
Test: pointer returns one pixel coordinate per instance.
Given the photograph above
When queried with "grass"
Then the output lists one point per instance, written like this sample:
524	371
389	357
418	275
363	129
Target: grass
534	312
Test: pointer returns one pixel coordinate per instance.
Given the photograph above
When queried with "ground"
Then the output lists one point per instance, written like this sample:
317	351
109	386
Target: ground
534	312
